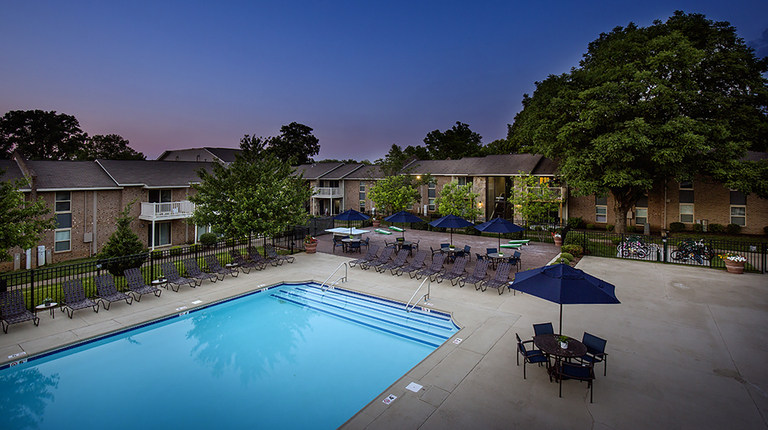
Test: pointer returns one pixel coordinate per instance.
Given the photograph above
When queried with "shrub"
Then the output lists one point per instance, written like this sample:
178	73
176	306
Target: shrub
567	256
733	229
573	250
195	247
575	222
615	241
631	229
231	242
609	227
698	228
590	226
157	253
716	228
574	238
208	239
676	227
176	250
123	242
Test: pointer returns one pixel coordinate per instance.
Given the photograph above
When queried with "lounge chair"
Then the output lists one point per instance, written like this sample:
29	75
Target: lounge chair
416	264
259	262
383	259
480	274
13	310
74	298
273	256
215	267
401	260
434	269
242	263
500	279
370	256
137	286
194	272
106	291
173	277
457	271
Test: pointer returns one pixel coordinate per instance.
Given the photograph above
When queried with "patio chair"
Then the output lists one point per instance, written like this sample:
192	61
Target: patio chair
466	252
370	256
337	243
194	272
137	286
434	269
172	276
383	259
401	260
543	328
366	243
415	245
254	257
479	257
355	246
491	251
500	279
215	267
13	310
515	260
444	245
106	291
580	372
480	274
435	251
74	298
242	263
457	271
595	351
416	264
273	256
532	356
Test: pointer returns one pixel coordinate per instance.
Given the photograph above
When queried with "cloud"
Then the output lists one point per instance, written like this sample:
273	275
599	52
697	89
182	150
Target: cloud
760	45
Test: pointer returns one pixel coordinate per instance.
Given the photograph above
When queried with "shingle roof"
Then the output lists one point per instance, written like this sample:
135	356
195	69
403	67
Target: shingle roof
226	155
366	172
153	174
70	175
316	170
341	172
12	172
491	165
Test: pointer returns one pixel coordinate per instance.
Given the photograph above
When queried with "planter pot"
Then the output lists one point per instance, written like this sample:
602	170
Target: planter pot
563	345
736	267
311	248
376	223
558	241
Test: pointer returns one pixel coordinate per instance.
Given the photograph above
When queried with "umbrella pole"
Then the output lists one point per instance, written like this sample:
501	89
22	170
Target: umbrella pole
561	318
499	242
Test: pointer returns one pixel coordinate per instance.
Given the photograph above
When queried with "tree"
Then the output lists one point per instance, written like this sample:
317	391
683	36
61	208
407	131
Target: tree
295	144
673	100
255	194
123	242
22	223
40	135
533	200
458	200
109	147
393	194
455	143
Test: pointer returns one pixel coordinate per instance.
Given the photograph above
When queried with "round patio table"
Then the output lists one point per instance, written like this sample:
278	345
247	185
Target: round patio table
550	345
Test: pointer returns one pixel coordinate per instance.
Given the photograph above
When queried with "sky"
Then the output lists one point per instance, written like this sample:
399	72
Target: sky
364	75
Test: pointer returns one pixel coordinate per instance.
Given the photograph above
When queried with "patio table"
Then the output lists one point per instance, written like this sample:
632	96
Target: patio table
497	258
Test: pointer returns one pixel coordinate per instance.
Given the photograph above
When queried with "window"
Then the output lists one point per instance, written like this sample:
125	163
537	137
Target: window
361	197
162	233
641	211
159	196
431	190
686	213
739	215
464	180
601	209
62	237
686	185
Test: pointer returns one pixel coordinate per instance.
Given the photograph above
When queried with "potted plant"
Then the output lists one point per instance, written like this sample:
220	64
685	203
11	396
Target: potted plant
734	263
563	341
376	222
310	244
557	238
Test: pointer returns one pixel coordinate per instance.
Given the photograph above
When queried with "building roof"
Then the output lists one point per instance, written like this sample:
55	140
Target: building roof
55	175
153	174
227	155
316	170
366	172
224	155
491	165
12	172
341	172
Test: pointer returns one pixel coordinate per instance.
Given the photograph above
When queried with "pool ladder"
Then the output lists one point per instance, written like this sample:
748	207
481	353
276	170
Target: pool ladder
428	280
324	287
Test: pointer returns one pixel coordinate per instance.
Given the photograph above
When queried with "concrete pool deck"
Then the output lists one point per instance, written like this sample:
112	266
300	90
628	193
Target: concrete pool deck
687	348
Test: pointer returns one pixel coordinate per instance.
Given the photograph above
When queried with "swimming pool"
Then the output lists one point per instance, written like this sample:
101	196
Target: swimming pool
290	356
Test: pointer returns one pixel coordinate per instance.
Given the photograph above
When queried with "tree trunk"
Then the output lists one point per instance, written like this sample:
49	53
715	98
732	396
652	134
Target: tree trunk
622	203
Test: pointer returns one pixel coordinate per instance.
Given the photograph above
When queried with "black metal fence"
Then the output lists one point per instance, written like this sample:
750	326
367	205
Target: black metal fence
45	282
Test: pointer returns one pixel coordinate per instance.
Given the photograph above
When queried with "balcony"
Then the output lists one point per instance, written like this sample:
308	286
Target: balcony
166	211
328	192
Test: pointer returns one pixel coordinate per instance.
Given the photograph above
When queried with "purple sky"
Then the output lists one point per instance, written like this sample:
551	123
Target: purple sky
363	75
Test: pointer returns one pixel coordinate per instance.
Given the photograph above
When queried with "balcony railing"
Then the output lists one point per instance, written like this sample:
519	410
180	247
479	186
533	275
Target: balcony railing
167	210
328	192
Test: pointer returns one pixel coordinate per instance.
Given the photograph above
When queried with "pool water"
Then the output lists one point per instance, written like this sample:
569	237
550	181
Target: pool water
289	357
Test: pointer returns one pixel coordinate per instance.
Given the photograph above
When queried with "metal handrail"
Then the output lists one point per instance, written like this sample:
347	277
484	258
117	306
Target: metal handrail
428	279
324	287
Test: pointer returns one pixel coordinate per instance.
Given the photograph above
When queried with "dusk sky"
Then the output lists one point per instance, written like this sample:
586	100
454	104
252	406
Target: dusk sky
363	75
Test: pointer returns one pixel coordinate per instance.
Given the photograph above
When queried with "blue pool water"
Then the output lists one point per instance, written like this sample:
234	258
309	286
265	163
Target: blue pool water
289	357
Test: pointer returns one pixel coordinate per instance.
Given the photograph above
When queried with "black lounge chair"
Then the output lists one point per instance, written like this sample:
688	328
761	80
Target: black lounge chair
532	356
434	269
480	274
416	264
369	256
173	277
194	272
457	271
137	286
106	291
500	279
259	262
242	263
273	256
13	310
400	261
74	298
215	267
382	260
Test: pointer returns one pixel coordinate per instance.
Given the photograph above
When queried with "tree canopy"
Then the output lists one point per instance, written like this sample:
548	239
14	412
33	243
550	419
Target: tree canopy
123	242
457	142
22	223
393	194
458	200
255	194
671	101
295	144
109	147
533	200
40	135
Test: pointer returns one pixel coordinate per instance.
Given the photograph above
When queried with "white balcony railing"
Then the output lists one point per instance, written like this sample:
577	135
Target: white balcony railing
328	192
168	210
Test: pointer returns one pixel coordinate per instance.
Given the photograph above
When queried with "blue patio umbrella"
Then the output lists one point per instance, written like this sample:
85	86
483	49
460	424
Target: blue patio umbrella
351	215
499	225
451	221
403	217
563	284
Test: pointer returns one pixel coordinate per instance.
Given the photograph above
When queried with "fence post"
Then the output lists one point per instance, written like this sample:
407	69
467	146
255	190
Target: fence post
152	266
32	289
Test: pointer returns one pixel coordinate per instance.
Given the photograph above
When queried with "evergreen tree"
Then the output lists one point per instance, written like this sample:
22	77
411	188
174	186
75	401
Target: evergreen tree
123	242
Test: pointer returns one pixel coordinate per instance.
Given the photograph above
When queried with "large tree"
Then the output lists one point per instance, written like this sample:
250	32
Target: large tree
393	194
671	101
109	147
123	242
255	194
533	199
458	200
455	143
22	222
40	135
295	144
